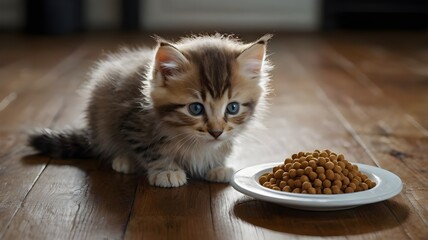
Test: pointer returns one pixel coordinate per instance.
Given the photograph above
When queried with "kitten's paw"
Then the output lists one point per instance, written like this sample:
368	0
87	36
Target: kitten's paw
168	178
123	165
220	174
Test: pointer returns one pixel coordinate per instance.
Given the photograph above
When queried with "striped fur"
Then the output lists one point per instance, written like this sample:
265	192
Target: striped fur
138	108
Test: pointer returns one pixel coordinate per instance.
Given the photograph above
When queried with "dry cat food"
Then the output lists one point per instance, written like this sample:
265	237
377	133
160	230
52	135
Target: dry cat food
318	172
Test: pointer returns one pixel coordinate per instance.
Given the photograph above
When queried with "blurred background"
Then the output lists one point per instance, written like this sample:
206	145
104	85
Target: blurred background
71	16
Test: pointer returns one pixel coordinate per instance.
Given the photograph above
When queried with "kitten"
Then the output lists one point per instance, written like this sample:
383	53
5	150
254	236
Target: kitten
173	110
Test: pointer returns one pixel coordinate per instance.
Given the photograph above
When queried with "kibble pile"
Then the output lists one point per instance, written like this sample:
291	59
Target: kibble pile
318	172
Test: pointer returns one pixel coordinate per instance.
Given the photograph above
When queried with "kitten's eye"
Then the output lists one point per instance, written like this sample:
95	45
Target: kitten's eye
196	109
232	108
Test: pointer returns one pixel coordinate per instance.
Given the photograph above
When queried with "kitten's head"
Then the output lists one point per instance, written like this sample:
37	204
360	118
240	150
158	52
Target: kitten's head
209	87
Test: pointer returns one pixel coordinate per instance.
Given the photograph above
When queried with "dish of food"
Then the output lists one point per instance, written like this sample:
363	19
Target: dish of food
387	185
317	172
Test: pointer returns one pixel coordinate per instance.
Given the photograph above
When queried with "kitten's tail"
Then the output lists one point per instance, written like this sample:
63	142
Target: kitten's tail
73	143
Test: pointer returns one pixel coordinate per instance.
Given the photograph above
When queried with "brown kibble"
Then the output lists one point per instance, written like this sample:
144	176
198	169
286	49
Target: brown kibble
313	176
304	178
340	157
267	184
317	183
327	191
323	154
349	166
359	188
326	183
294	156
286	189
297	183
320	170
308	170
276	169
282	184
333	157
355	181
302	159
272	180
288	160
313	164
370	183
353	186
337	169
296	190
329	174
292	173
287	166
364	186
321	161
315	154
285	174
349	190
296	165
318	190
335	189
364	177
300	172
337	176
337	183
276	188
290	183
262	179
270	175
358	178
329	165
345	171
300	154
312	190
350	176
306	185
304	164
278	173
321	176
342	165
345	181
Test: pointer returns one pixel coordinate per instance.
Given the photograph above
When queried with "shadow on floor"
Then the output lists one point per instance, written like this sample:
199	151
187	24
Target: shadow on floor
360	220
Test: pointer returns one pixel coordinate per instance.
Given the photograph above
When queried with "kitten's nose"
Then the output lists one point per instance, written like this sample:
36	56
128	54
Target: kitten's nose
215	133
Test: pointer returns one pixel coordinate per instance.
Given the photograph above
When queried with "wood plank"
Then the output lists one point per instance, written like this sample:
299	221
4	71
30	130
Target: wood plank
86	202
337	88
91	200
397	71
16	176
176	213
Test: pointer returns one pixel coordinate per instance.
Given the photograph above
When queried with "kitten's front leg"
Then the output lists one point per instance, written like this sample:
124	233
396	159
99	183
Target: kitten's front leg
163	173
124	164
221	174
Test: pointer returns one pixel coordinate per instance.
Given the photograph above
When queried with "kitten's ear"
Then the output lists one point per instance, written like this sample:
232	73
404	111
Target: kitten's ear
251	59
169	61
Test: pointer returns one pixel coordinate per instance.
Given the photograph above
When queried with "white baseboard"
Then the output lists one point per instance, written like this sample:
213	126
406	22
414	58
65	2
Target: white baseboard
230	15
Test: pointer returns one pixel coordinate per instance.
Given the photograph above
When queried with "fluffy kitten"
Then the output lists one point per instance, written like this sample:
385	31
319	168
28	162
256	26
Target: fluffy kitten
173	110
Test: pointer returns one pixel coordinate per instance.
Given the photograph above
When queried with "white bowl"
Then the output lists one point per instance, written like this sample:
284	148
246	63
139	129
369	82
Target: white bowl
387	186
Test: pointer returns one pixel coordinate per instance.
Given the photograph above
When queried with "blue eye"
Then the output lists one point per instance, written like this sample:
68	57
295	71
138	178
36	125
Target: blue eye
196	109
232	108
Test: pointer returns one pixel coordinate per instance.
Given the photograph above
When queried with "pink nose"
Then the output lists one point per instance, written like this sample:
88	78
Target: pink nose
215	133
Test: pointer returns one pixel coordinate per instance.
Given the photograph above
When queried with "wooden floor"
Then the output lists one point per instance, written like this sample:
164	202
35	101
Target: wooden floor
364	95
